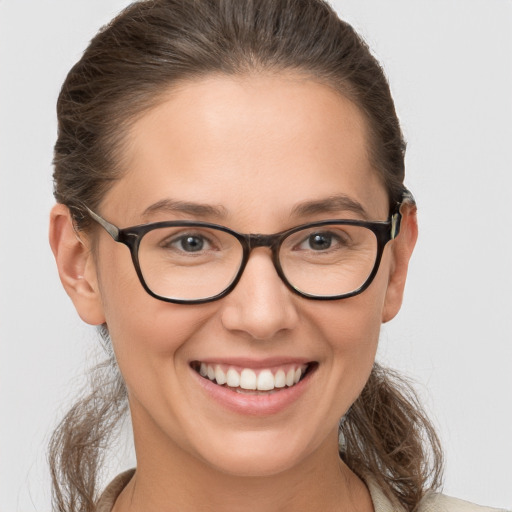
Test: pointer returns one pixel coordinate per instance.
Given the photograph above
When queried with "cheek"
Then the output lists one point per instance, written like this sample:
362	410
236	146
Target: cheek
352	326
140	326
353	357
350	329
353	333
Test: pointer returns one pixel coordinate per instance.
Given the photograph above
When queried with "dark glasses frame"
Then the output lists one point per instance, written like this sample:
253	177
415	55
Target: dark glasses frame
131	237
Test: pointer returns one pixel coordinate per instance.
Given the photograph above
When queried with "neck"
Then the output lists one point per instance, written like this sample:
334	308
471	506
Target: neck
169	479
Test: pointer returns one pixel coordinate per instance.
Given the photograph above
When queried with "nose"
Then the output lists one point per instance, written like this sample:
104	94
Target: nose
261	306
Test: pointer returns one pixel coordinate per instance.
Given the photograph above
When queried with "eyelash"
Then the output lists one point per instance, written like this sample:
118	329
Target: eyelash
171	241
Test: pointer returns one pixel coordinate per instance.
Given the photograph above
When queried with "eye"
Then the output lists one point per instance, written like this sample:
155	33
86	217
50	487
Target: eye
191	243
319	241
187	243
322	241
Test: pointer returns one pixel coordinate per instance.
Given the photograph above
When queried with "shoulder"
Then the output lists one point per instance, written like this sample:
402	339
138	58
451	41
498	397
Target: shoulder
431	502
109	496
435	502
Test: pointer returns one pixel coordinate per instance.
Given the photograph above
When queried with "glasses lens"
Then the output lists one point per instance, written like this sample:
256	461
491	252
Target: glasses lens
189	262
330	260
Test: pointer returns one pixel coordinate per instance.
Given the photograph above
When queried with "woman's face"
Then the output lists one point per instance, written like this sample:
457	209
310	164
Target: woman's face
250	151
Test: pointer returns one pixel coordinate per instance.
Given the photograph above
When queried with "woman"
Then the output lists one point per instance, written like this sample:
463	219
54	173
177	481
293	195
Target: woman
249	156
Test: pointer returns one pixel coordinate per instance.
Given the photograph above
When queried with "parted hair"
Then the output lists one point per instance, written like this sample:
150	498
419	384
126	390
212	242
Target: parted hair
150	47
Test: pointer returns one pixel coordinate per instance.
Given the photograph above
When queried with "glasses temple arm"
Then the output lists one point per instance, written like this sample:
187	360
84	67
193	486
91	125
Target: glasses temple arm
396	217
112	230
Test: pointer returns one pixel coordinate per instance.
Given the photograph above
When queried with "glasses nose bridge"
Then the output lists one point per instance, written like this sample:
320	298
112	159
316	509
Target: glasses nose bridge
256	240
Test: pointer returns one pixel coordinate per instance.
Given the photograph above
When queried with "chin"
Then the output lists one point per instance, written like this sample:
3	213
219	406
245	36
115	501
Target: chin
257	455
258	465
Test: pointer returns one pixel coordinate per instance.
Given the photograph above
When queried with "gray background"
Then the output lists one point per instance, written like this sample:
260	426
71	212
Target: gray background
450	68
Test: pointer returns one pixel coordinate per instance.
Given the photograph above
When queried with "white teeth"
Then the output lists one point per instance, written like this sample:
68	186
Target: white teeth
232	378
280	379
290	377
250	380
220	376
266	381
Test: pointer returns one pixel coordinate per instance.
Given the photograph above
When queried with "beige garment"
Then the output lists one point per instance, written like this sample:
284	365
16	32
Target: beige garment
432	502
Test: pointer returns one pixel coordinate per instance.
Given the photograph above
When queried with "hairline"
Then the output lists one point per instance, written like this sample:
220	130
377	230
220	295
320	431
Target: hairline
163	92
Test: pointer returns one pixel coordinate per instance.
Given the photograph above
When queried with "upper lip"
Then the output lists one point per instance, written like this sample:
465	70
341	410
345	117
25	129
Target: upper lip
253	363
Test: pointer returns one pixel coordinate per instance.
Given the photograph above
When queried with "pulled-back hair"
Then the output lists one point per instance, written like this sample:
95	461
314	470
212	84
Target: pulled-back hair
128	67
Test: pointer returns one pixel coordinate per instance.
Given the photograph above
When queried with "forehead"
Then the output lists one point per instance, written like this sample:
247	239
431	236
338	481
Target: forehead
258	144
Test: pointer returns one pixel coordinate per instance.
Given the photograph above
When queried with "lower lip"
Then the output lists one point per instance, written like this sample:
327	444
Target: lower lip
254	405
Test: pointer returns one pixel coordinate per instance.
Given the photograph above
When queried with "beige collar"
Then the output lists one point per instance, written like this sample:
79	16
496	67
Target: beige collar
105	504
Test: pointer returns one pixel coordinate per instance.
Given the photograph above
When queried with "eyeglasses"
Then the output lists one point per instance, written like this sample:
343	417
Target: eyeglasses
189	262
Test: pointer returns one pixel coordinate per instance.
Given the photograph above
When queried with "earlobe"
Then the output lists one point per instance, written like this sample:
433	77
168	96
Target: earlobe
76	266
401	248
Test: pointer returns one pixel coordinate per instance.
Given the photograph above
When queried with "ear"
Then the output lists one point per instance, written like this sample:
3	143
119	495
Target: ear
401	251
76	266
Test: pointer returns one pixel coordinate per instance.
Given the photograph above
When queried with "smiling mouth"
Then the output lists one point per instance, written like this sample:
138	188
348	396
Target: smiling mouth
253	381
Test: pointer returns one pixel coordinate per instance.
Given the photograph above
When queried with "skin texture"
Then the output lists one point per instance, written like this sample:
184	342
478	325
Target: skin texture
255	146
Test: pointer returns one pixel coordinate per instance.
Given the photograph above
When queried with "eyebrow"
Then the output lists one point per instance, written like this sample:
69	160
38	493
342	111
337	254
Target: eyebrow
330	204
185	207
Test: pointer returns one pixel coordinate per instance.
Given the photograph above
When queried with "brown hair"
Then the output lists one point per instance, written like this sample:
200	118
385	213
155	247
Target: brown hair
147	49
